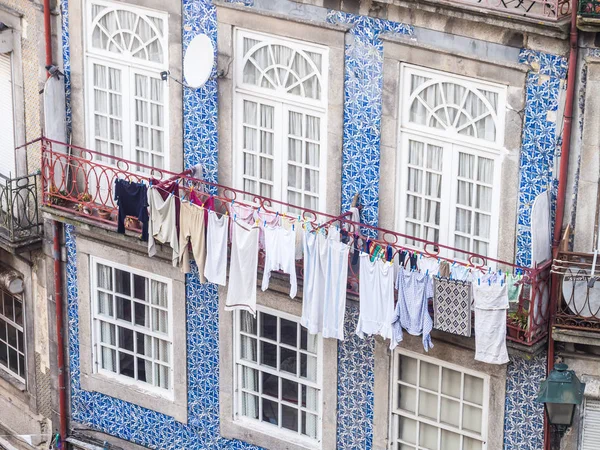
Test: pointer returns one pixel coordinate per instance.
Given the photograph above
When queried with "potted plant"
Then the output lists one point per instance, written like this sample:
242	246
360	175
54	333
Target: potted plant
519	321
56	196
83	198
104	213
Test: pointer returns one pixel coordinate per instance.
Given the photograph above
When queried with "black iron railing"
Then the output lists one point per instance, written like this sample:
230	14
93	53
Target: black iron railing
19	217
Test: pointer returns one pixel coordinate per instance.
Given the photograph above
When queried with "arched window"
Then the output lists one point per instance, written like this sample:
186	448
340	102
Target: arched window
281	133
453	107
126	49
282	68
450	140
127	33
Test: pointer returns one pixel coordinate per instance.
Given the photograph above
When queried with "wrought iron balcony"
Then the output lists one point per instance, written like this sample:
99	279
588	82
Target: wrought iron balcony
19	218
577	292
78	183
546	10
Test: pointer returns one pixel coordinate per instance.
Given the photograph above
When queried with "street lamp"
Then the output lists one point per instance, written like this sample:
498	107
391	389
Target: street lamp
560	393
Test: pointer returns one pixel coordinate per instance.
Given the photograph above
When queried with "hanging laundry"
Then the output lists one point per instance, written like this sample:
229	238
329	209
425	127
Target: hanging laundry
376	297
132	200
192	231
162	224
336	279
460	273
208	204
514	286
280	254
167	189
429	265
315	271
241	292
411	313
444	270
268	218
491	303
452	306
215	269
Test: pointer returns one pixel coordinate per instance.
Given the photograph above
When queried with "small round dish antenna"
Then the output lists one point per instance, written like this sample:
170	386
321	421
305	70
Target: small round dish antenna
198	61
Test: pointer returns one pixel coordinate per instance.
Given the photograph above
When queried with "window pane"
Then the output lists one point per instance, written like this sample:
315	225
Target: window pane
450	441
408	369
18	311
249	405
8	307
126	365
12	335
428	436
161	350
162	376
287	360
159	293
450	413
308	341
308	367
473	389
451	382
309	425
247	322
270	411
124	309
472	417
107	333
310	398
429	376
407	430
109	359
289	332
142	315
428	405
144	368
471	444
125	338
250	379
289	418
160	321
268	354
407	398
123	282
140	287
268	326
289	391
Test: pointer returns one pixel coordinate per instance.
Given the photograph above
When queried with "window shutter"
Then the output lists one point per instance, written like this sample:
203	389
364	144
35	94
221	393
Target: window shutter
591	425
7	134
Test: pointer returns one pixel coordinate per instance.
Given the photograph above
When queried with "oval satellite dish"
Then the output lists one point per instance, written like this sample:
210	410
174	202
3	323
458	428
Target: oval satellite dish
198	61
581	298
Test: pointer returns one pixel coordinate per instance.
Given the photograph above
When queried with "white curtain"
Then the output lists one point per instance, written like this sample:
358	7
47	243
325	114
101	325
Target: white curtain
303	129
249	376
275	66
158	292
108	336
447	105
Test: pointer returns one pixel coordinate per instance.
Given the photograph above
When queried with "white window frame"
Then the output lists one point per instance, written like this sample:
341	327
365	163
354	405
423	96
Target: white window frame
129	67
18	328
452	144
96	318
263	427
394	414
283	103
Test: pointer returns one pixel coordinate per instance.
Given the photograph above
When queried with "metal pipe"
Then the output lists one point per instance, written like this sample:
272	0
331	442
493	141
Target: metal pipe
60	340
561	195
48	33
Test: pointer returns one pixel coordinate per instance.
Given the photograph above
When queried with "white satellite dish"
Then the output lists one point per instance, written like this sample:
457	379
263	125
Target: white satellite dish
581	299
198	61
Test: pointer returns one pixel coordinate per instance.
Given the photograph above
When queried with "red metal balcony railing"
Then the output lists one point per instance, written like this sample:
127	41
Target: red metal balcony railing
79	182
577	292
547	10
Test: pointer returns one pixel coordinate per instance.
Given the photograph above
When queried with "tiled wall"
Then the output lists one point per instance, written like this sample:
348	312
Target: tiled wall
362	120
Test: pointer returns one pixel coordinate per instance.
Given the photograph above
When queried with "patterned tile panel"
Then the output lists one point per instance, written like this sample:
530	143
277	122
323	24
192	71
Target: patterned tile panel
540	144
362	108
356	382
523	417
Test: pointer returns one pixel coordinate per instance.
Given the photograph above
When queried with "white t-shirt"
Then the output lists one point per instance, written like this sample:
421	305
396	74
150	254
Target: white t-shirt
215	268
280	254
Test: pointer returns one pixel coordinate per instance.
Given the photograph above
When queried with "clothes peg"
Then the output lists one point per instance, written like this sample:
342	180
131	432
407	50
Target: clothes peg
489	282
235	217
293	229
264	223
479	281
427	272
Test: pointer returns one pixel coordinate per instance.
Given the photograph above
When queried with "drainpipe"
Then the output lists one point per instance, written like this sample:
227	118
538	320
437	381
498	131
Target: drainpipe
60	341
562	188
58	298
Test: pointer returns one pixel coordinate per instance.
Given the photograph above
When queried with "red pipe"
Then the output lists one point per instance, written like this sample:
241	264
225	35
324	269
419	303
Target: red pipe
561	195
48	32
60	341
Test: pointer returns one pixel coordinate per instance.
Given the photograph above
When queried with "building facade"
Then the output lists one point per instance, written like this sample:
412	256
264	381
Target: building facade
443	118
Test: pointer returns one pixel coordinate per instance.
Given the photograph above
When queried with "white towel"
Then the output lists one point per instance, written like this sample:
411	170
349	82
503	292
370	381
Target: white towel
315	267
491	303
241	293
336	280
215	269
